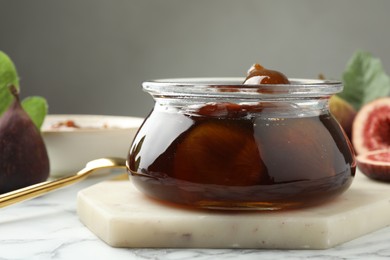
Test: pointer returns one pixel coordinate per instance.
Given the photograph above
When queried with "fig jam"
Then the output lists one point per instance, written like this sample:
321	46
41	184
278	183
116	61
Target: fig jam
211	148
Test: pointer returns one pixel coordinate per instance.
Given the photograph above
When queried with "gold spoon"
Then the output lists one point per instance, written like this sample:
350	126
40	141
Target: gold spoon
39	189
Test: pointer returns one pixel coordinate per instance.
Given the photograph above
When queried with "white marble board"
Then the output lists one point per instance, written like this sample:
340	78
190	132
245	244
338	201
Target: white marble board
123	217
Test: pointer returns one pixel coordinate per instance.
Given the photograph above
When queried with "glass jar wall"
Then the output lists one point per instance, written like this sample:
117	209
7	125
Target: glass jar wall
215	143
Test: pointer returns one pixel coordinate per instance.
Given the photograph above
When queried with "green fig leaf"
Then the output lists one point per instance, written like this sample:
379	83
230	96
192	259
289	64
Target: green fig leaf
8	76
36	107
364	80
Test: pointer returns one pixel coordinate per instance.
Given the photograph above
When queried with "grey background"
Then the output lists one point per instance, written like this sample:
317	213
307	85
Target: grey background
90	56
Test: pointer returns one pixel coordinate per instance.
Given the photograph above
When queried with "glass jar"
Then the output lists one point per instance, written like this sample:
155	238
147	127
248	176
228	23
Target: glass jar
215	143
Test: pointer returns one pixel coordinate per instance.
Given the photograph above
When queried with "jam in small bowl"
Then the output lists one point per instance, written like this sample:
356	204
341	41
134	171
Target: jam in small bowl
264	142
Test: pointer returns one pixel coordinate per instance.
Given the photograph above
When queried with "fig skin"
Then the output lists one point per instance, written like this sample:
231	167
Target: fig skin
344	113
371	127
375	164
23	156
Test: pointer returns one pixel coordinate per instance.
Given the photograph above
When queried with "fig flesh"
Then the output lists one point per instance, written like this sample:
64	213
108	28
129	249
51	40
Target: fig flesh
371	127
23	156
375	164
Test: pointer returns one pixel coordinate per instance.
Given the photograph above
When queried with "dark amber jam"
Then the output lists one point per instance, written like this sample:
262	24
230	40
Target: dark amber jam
228	149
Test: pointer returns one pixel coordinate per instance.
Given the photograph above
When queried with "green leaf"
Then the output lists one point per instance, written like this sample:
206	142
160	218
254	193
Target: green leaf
36	108
364	80
8	76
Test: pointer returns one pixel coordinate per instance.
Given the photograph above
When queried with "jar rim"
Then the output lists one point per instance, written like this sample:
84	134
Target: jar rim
233	87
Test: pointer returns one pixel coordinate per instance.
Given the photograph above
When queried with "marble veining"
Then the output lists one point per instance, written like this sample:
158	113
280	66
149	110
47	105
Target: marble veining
49	228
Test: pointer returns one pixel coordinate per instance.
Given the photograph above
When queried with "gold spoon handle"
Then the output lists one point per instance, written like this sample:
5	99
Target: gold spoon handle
39	189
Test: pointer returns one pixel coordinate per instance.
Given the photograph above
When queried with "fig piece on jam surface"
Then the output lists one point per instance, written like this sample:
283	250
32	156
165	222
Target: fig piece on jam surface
230	110
257	74
375	164
371	127
221	153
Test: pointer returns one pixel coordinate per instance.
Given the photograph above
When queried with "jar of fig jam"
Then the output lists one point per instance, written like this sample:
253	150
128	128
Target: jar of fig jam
217	143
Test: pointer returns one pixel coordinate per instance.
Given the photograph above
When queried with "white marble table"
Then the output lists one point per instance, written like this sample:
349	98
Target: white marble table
48	228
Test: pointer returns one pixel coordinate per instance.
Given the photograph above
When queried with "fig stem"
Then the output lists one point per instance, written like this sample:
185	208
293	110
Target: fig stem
14	91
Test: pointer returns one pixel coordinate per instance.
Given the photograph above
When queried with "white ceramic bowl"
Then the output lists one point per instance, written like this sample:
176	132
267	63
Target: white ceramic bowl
70	148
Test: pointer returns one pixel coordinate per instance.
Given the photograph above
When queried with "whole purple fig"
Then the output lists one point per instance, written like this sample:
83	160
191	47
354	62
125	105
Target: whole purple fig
23	156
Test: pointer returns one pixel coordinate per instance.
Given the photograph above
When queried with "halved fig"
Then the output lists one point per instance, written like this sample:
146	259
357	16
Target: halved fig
371	127
375	164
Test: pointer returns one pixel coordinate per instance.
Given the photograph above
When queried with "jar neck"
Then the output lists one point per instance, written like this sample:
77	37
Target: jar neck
284	108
